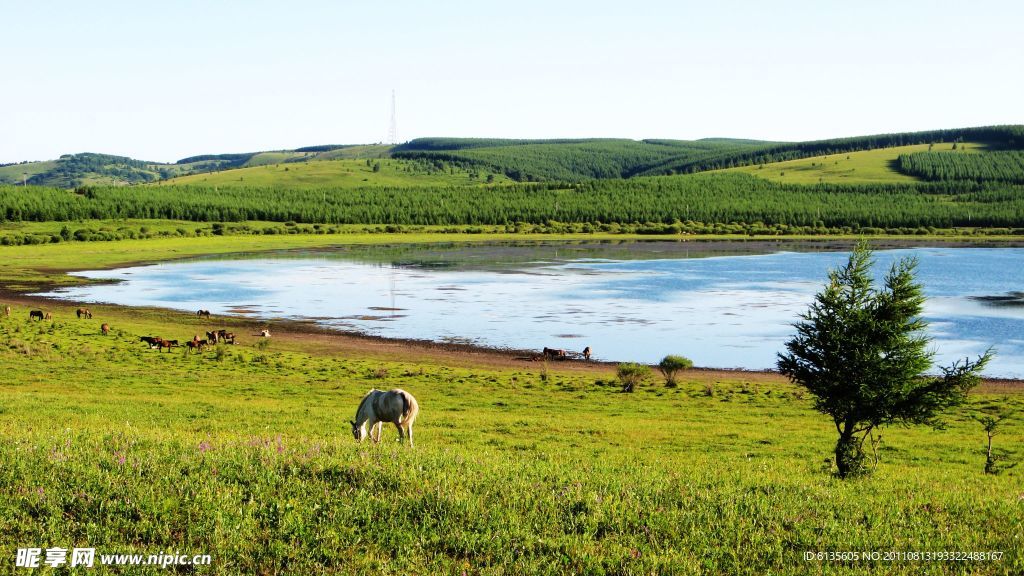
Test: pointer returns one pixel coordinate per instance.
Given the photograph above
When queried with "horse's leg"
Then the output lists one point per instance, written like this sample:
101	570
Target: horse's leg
379	426
401	432
408	433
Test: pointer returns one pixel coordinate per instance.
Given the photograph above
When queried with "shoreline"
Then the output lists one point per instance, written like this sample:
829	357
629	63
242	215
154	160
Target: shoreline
309	333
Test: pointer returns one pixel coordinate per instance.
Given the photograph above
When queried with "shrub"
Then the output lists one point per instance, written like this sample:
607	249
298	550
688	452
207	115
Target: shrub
630	374
671	365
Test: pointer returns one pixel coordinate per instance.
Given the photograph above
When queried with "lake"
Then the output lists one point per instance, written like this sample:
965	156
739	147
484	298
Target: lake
723	304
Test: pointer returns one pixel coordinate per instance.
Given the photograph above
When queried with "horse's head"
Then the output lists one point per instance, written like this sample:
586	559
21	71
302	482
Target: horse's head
358	432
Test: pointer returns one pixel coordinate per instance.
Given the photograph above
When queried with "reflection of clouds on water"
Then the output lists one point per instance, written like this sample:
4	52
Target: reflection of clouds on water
725	311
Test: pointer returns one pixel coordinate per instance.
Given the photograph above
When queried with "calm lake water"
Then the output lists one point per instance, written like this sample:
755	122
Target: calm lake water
728	305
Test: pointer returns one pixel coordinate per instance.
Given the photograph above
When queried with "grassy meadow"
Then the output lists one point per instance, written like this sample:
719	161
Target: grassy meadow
877	166
244	453
269	169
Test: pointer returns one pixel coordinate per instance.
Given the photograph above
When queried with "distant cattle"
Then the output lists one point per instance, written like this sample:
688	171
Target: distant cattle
36	315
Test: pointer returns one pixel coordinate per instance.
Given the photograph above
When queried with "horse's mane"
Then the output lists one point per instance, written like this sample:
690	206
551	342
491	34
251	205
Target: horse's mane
363	402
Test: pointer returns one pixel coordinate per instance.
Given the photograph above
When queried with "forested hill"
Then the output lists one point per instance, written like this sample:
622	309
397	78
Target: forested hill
87	168
556	160
577	160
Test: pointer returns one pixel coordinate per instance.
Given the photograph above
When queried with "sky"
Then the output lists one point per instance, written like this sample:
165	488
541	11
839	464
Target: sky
162	81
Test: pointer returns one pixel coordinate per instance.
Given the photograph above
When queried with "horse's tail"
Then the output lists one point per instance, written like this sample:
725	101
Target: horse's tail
410	410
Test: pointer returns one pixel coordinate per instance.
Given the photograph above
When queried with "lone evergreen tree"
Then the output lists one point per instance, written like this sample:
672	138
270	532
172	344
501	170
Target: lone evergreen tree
862	353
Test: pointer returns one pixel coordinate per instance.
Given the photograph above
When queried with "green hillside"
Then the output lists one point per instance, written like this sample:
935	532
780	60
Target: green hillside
459	161
344	173
563	160
864	167
90	169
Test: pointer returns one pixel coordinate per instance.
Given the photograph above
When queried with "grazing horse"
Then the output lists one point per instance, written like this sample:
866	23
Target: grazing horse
36	315
203	313
555	353
378	406
166	344
7	311
152	341
195	344
49	316
264	333
586	353
105	328
83	313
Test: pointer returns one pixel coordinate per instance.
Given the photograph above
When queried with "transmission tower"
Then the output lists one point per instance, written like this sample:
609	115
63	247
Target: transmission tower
393	129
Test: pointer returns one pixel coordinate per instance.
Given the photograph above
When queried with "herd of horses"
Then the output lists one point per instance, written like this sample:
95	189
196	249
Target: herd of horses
195	344
562	354
377	407
154	342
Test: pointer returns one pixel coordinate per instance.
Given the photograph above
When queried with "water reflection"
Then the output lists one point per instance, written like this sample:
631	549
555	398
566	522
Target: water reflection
730	307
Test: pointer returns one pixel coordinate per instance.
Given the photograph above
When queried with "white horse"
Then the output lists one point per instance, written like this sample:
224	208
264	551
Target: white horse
378	406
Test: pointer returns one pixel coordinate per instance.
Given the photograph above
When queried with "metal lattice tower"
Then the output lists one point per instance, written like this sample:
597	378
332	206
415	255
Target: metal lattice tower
393	129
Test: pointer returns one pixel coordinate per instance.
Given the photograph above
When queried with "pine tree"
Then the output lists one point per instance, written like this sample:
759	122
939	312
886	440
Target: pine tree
862	353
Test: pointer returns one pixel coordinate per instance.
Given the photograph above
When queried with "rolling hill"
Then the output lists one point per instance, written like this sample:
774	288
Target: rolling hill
878	158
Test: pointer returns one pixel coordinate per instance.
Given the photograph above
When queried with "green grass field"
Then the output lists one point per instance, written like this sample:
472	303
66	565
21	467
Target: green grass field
244	453
864	167
342	173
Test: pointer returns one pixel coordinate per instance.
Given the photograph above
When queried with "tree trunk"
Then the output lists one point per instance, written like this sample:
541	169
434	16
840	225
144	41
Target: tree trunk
850	453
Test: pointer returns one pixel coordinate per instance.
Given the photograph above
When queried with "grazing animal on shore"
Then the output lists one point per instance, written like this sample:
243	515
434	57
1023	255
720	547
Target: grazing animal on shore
264	333
397	406
203	313
586	353
49	316
105	328
555	353
36	315
7	311
83	313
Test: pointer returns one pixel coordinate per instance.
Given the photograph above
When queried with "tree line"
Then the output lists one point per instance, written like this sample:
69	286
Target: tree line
707	198
1000	166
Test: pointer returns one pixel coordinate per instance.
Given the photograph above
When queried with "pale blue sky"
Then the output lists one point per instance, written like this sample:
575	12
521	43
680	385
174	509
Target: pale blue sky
160	81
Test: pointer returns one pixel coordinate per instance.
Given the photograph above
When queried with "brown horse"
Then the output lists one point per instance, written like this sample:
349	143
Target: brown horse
83	313
196	345
49	316
36	315
555	353
203	313
105	328
152	341
168	344
586	353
